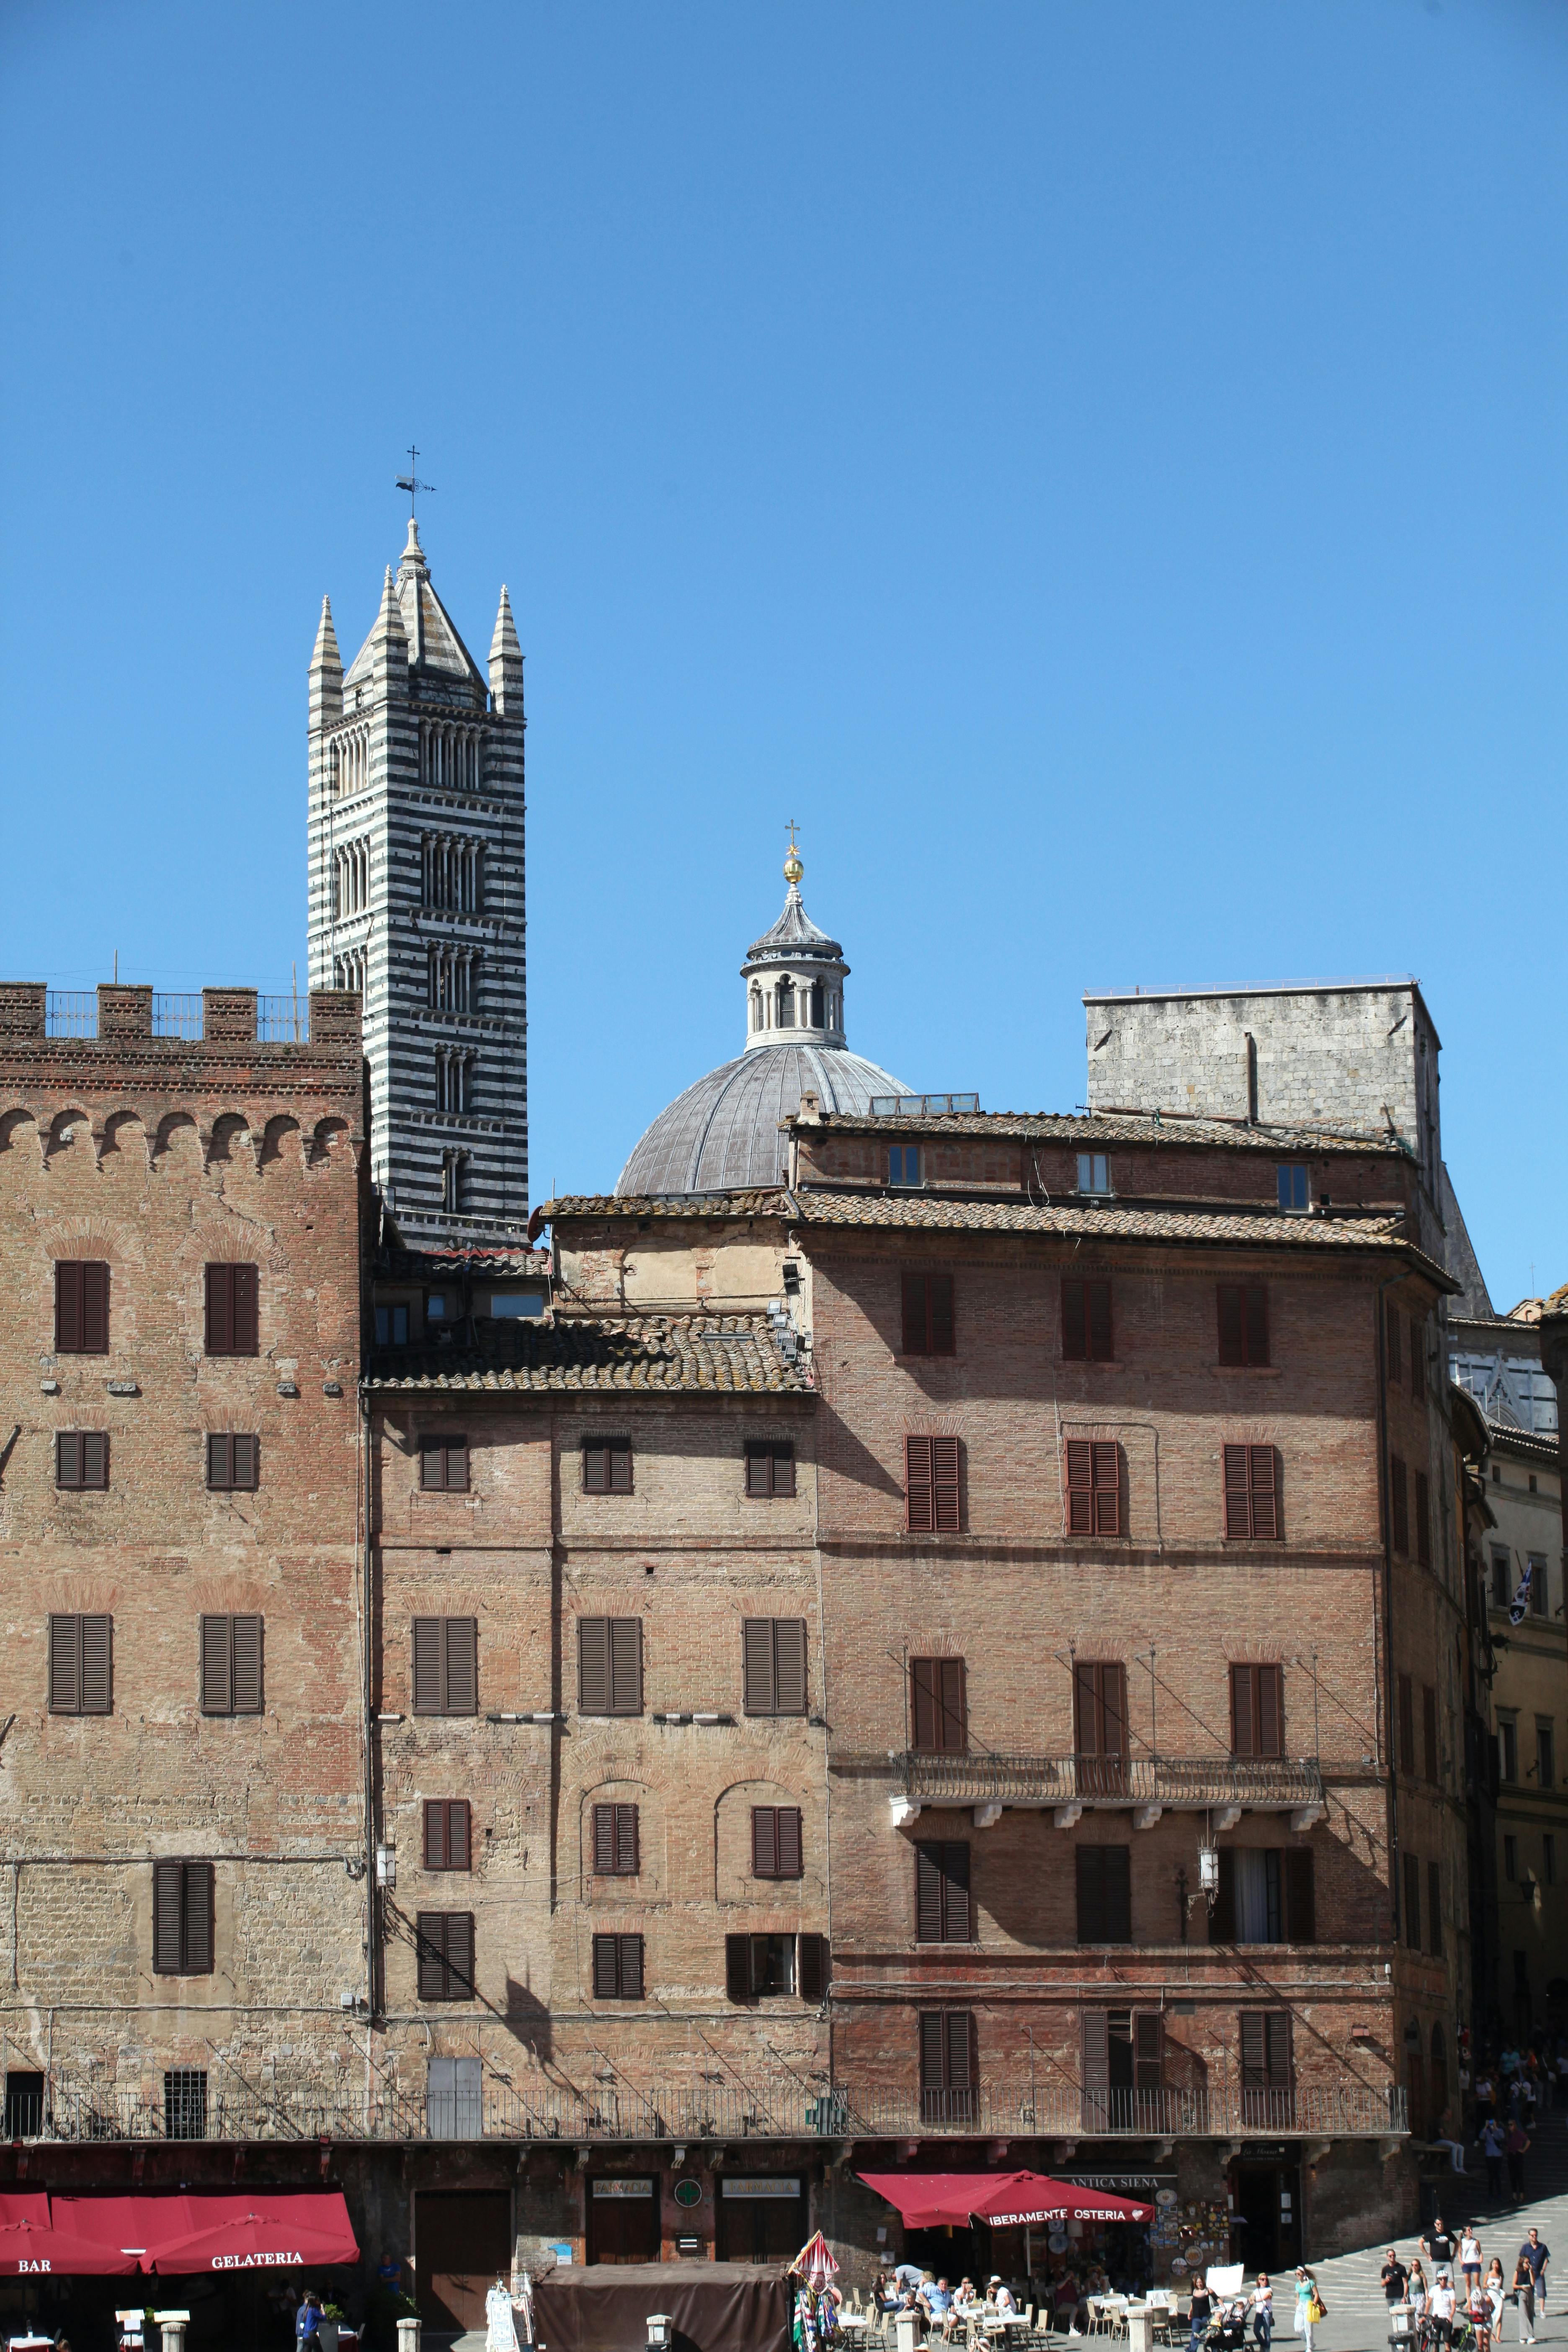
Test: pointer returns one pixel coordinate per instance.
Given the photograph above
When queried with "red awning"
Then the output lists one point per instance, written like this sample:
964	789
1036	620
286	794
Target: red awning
929	2200
24	2205
31	2248
232	2230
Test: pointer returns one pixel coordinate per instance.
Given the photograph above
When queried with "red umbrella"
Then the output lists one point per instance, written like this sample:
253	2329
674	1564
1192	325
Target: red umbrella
32	2248
928	2199
301	2231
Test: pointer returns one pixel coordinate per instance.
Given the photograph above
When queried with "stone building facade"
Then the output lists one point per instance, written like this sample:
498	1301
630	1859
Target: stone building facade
416	898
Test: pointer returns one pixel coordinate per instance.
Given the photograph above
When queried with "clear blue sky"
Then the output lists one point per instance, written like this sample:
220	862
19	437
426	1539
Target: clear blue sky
1100	467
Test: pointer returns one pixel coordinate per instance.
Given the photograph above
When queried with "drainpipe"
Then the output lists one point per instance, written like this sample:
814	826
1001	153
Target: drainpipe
367	1582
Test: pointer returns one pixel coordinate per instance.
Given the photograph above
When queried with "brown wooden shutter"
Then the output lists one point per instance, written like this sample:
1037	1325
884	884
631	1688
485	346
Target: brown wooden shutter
168	1918
198	1919
1254	2050
811	1968
1429	1731
620	1454
1222	1918
955	1891
1075	1322
68	1458
430	1945
757	1665
220	1312
427	1690
457	1466
95	1457
459	1834
435	1834
68	1306
247	1463
1243	1714
218	1477
1118	1878
246	1637
97	1665
1270	1710
462	1641
1098	1298
765	1841
1417	1360
64	1665
1081	1486
594	1665
217	1678
738	1968
1300	1897
1276	2042
1106	1490
625	1666
1094	2026
595	1466
934	2050
604	1840
952	1707
912	1290
928	1907
1406	1695
789	1639
945	1486
630	1957
1086	1708
1263	1476
246	1331
1090	1895
758	1468
1148	2050
95	1307
783	1462
787	1828
920	1485
1232	1327
1237	1491
939	1297
1423	1519
1435	1909
459	1954
923	1702
606	1968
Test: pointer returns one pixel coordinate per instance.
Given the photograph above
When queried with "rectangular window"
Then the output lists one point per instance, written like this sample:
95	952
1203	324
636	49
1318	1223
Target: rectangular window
24	2104
1267	1895
776	1841
942	1892
1391	1340
1265	2065
609	1665
1086	1322
392	1326
183	1918
445	1666
1123	2065
1295	1191
1429	1732
234	1463
1399	1503
904	1165
756	1966
82	1663
1094	1173
618	1844
1545	1755
1510	1860
1411	1903
1243	1309
1417	1360
1406	1690
606	1465
1536	1564
949	2069
231	1665
448	1841
186	2103
773	1665
1099	1707
1507	1747
1423	1519
1258	1710
81	1459
939	1707
1093	1487
933	1491
769	1466
1435	1909
232	1321
445	1943
444	1464
927	1302
617	1968
1104	1894
82	1307
1252	1493
1502	1582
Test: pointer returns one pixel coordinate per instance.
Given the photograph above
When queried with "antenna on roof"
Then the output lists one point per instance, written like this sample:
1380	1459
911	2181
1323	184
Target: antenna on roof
411	481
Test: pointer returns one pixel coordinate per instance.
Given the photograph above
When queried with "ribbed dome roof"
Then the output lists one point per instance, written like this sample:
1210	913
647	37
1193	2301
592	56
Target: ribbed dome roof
722	1134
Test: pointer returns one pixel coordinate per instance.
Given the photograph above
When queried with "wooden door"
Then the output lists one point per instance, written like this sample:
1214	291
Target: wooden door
461	2239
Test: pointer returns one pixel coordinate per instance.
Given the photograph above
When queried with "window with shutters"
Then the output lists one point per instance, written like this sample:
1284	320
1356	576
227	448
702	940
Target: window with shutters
1411	1901
1429	1732
1243	1308
82	1307
927	1301
1123	2068
81	1459
1393	1348
773	1655
1502	1579
942	1892
1256	1711
1104	1893
1252	1493
1399	1503
616	1842
448	1838
618	1968
1093	1470
759	1967
1423	1519
609	1665
443	1941
443	1462
769	1466
606	1465
231	1665
776	1841
82	1665
1086	1322
939	1707
1267	2101
1267	1894
183	1918
445	1666
948	2065
233	1325
1404	1694
234	1463
1099	1718
1435	1909
932	1492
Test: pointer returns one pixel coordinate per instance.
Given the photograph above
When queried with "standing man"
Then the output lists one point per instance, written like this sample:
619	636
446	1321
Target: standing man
1437	2246
1395	2278
1516	2146
1537	2255
1492	2137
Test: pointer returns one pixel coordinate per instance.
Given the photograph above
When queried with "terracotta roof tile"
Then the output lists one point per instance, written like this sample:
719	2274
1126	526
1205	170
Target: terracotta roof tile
1122	1127
662	1354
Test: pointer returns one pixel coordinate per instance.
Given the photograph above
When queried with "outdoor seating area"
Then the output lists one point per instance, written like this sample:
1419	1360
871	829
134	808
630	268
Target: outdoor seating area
976	2326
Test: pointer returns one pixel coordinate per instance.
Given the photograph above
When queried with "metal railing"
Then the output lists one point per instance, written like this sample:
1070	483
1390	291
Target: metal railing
70	1012
176	1016
197	2104
283	1019
1187	1782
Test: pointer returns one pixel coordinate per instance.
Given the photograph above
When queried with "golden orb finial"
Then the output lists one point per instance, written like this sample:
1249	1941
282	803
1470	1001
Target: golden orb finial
792	867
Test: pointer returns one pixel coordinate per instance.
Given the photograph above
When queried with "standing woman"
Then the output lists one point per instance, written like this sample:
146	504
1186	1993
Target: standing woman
1309	2306
1263	2313
1417	2291
1524	2295
1496	2295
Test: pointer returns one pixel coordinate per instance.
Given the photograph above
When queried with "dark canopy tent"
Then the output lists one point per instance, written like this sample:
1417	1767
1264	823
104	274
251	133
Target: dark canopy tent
716	2306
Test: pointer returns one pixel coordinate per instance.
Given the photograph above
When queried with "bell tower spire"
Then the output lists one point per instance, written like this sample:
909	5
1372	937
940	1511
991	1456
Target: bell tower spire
794	974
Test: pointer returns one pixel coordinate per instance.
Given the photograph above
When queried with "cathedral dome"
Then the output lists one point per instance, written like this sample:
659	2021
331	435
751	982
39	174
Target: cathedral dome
722	1134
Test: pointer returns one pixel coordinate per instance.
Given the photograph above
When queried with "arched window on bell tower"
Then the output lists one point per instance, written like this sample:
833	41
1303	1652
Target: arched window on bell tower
817	1005
756	1001
785	1017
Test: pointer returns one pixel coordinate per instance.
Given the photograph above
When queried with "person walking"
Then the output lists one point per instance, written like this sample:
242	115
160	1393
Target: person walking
1442	2304
1515	2147
1470	2257
1492	2140
1263	2313
1395	2278
1309	2306
1537	2255
1524	2296
1202	2312
1496	2293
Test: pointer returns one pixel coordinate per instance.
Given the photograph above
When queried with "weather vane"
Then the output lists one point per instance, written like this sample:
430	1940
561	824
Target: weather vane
411	481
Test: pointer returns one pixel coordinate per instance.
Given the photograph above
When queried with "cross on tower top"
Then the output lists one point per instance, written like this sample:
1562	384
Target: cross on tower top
411	481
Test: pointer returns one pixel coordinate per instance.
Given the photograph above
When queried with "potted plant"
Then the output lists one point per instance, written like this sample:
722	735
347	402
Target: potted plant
332	2316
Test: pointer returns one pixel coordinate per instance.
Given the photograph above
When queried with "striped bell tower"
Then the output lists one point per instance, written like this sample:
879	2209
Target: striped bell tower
417	899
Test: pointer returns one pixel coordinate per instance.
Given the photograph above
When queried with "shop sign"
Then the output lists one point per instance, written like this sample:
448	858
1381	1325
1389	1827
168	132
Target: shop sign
758	2186
631	2187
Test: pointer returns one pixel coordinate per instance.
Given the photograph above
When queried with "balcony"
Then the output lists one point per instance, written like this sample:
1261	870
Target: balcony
1146	1786
196	2104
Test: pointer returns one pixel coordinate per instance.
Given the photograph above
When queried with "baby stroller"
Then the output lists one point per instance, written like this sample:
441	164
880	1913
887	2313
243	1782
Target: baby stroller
1228	2329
